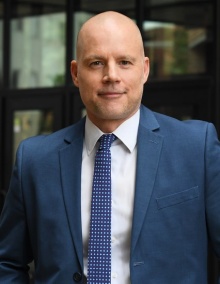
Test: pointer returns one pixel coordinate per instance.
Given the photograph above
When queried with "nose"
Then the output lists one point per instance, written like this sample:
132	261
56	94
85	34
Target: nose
111	73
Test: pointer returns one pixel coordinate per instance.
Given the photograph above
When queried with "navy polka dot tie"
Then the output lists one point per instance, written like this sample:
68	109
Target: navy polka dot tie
99	255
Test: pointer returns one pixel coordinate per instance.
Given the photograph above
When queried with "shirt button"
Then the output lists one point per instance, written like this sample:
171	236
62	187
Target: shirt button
114	275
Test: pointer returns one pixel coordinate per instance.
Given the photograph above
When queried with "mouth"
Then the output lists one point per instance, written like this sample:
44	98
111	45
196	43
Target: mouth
111	94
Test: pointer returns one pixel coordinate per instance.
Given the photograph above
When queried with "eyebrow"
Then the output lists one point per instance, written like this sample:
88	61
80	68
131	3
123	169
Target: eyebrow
121	57
128	58
94	57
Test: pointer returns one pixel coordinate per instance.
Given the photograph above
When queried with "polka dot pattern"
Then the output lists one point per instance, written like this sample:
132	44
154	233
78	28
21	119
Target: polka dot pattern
99	257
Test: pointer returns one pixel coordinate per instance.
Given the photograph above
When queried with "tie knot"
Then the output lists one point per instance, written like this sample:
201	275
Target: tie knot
106	140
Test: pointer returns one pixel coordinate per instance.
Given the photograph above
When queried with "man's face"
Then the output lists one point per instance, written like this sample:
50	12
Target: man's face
110	73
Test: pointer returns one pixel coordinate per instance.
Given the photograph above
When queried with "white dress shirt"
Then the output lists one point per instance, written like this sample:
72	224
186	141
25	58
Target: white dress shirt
123	173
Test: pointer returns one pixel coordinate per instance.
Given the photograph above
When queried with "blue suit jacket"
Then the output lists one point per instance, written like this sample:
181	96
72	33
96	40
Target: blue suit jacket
176	207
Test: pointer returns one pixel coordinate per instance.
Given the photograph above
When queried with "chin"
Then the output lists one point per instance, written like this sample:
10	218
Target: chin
115	116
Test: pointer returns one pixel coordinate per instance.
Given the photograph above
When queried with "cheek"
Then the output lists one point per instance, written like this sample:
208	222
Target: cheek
136	89
86	81
84	85
86	90
135	83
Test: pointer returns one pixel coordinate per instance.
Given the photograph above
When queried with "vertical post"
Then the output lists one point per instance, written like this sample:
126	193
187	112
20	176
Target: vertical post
6	43
7	6
67	105
69	38
139	11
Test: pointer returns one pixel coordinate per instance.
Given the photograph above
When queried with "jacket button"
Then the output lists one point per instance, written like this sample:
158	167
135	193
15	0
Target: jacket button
77	277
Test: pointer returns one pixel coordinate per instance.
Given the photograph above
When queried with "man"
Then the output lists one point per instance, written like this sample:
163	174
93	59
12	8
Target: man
165	178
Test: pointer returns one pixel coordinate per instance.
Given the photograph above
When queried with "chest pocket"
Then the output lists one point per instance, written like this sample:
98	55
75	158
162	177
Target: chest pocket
177	198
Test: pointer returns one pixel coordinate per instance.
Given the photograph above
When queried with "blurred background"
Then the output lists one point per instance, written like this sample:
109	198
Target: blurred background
37	43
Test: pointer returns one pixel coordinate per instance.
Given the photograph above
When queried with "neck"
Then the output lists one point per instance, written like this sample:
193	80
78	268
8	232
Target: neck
107	126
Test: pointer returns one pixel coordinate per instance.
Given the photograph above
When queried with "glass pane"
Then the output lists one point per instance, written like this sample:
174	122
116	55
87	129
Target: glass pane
168	2
38	45
176	40
1	43
29	123
98	6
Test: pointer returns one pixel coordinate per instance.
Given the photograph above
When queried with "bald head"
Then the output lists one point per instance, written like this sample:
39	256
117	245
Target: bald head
108	24
110	69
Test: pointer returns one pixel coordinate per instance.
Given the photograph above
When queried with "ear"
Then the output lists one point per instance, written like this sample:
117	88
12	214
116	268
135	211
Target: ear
74	72
146	68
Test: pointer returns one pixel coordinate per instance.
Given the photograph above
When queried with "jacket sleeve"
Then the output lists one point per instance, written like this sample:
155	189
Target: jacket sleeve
212	180
15	249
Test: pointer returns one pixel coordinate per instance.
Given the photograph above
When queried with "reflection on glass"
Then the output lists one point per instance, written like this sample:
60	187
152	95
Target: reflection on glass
1	43
98	6
174	49
38	51
176	37
188	14
29	123
167	2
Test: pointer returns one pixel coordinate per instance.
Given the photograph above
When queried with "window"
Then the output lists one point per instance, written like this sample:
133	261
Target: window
38	45
27	123
176	38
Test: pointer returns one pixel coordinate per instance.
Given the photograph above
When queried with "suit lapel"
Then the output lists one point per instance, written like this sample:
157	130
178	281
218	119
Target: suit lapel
149	147
70	164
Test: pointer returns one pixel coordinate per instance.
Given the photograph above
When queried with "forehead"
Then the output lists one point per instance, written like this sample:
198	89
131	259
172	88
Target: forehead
115	40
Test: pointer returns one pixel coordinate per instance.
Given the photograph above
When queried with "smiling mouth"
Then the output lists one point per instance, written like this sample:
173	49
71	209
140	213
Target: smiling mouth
111	93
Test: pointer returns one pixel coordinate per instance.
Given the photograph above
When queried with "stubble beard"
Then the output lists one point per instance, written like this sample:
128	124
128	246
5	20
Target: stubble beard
111	113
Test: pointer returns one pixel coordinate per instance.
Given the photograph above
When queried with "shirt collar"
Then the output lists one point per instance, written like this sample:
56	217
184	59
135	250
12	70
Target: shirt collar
126	133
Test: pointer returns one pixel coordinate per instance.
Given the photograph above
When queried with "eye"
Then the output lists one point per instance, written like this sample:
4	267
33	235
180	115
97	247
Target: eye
125	62
96	63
